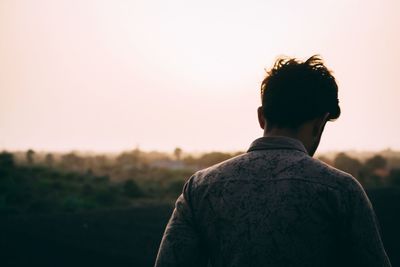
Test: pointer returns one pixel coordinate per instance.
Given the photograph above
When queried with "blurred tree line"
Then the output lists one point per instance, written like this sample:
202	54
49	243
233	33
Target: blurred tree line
375	171
54	182
47	182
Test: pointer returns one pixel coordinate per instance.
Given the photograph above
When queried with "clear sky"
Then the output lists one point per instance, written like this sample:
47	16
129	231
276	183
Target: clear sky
113	75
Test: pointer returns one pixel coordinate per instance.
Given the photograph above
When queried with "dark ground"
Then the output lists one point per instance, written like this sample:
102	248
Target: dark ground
129	237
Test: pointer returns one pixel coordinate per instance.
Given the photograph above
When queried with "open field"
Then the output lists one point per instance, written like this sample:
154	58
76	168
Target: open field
128	237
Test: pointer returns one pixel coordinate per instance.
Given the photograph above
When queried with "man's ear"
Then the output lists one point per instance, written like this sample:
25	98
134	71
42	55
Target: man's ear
261	119
319	124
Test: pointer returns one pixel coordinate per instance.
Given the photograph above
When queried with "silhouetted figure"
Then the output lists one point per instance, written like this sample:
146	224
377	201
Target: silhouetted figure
276	205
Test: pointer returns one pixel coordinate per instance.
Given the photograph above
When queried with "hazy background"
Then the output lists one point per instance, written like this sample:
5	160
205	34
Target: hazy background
113	75
171	87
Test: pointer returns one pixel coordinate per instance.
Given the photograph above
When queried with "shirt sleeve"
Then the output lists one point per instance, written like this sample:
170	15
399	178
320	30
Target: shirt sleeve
363	233
180	244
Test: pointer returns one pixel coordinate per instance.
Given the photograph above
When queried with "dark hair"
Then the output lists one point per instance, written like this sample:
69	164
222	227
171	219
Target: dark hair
294	92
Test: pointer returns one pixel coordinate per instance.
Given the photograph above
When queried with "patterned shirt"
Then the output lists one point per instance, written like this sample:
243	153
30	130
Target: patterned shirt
272	206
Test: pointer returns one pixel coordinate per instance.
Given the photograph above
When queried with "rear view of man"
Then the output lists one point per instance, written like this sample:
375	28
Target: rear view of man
275	205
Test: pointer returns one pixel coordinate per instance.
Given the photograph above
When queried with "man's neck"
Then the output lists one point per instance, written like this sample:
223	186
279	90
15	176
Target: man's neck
281	132
288	133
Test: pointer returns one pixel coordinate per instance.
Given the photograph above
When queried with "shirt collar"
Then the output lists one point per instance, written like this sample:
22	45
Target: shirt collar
277	142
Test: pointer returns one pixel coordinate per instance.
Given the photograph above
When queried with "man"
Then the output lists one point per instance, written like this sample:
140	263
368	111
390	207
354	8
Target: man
276	205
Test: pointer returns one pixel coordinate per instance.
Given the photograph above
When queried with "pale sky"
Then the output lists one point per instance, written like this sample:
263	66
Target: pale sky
113	75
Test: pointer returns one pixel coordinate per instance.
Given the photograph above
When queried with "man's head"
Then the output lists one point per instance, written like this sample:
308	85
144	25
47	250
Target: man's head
298	98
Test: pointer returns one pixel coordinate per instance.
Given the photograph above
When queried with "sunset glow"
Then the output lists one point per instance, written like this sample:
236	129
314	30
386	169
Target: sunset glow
113	75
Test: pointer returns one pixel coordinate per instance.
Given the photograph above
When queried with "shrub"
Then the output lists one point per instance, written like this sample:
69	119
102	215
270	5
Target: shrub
131	189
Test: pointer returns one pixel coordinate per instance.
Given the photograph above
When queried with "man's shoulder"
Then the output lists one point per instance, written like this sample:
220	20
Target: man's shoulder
227	169
329	175
295	165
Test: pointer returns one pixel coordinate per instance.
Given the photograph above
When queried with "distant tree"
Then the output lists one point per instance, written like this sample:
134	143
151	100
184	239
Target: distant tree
30	156
376	162
6	160
394	162
73	162
212	158
131	189
190	161
373	172
6	166
101	164
178	153
128	160
137	152
344	162
49	160
106	196
395	177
